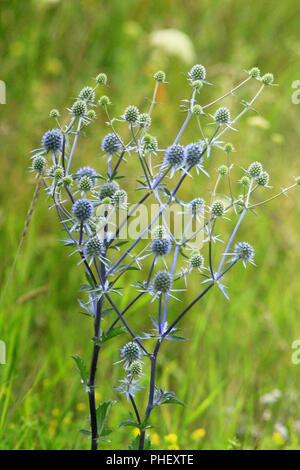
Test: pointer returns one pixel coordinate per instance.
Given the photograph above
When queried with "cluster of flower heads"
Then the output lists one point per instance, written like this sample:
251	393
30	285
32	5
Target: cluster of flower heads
256	172
131	357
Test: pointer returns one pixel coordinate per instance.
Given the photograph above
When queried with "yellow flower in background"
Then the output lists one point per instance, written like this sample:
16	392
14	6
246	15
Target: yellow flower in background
277	438
66	420
258	121
173	447
277	138
172	438
135	432
54	66
155	439
55	412
198	434
17	48
97	395
81	406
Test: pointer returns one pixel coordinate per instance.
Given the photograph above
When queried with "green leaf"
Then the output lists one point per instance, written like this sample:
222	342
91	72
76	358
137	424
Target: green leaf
102	413
90	280
81	367
113	332
85	432
87	307
129	422
173	400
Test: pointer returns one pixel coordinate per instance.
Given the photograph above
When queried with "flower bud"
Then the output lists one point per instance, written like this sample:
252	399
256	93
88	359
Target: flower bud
197	110
159	76
144	120
104	101
223	170
54	113
228	147
136	369
197	85
119	198
85	184
196	260
218	208
39	163
267	79
254	72
101	79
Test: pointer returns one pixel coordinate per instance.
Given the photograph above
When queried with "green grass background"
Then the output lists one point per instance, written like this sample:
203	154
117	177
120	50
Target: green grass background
240	349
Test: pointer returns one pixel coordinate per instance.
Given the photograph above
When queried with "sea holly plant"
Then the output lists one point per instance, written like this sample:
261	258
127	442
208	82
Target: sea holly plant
158	261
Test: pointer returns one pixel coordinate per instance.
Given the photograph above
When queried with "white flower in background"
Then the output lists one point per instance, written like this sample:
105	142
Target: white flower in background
271	397
282	430
174	43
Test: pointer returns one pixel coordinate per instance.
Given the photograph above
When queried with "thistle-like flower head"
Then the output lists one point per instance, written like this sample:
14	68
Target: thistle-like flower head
218	208
130	353
94	247
196	260
83	209
119	198
255	169
39	163
85	184
87	171
159	76
108	189
79	108
136	369
161	246
101	79
52	140
144	120
193	154
111	144
262	179
87	94
162	282
131	114
175	155
197	72
244	251
267	79
150	144
254	72
197	205
222	115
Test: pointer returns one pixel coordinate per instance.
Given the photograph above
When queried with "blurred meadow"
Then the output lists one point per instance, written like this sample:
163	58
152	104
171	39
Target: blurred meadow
235	374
